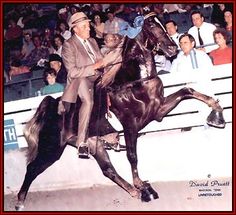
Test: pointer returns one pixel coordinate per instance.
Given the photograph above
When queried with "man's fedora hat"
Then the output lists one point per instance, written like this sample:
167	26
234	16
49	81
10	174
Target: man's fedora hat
77	18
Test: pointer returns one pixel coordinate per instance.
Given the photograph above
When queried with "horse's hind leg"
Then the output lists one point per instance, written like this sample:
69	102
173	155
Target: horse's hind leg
215	118
109	171
36	167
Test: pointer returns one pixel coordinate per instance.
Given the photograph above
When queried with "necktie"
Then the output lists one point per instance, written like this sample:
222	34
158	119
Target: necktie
89	51
199	37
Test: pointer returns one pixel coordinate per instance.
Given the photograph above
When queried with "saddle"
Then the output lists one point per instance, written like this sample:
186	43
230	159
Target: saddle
98	126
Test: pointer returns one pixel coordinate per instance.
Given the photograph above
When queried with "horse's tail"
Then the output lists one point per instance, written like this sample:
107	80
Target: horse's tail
46	109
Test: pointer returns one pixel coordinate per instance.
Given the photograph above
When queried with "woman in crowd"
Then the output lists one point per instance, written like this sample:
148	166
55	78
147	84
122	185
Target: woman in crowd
98	26
64	29
58	41
228	20
223	54
51	85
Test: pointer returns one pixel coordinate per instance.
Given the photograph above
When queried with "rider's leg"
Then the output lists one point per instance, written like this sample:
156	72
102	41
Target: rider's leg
85	92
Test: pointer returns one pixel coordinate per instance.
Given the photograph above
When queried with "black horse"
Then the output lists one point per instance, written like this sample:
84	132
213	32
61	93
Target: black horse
136	85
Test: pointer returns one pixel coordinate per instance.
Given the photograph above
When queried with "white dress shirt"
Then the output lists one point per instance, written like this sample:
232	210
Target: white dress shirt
176	37
199	78
90	47
183	63
58	51
206	32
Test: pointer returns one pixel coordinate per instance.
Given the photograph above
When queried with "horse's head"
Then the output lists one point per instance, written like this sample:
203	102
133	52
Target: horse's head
157	36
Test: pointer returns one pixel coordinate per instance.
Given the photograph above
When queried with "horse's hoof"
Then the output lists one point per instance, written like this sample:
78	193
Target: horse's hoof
148	193
145	195
216	119
19	206
153	193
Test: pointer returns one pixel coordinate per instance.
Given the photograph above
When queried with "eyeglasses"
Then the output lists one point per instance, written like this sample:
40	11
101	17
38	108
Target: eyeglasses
109	39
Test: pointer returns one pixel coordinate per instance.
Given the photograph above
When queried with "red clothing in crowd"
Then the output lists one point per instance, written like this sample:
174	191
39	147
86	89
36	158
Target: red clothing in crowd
13	33
221	56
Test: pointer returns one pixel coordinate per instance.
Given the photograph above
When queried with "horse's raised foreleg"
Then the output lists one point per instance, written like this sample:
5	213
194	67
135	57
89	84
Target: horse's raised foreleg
215	118
103	160
147	192
36	167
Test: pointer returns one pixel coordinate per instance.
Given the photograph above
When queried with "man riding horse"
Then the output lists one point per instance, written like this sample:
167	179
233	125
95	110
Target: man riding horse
137	98
83	59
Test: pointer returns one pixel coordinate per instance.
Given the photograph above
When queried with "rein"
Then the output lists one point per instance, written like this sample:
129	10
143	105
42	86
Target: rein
130	84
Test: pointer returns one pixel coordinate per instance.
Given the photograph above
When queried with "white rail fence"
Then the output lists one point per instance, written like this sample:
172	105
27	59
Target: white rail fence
189	113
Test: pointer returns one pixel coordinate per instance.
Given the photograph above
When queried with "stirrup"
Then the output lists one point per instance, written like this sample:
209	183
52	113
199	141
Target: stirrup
83	151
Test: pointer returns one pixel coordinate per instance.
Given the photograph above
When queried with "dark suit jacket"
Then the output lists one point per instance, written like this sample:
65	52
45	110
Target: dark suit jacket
78	65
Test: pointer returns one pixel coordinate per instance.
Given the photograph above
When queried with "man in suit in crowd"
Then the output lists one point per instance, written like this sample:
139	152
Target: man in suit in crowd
82	59
202	32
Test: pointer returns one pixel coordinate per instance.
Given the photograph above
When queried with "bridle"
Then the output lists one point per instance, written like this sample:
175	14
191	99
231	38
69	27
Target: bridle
157	45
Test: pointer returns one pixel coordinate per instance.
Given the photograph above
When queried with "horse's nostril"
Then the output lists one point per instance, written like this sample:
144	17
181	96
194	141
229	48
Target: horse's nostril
172	49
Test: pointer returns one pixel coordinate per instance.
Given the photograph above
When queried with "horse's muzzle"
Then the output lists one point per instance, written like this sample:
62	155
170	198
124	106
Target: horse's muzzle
171	51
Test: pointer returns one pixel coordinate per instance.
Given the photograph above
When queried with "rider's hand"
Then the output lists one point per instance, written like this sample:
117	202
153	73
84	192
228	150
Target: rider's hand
98	65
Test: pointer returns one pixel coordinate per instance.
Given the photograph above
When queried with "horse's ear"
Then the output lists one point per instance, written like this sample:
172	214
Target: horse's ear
146	9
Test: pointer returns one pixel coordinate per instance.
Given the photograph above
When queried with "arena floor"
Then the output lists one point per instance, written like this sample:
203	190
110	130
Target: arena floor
173	196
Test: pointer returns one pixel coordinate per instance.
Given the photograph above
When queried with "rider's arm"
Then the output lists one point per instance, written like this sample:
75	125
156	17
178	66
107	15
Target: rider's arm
74	71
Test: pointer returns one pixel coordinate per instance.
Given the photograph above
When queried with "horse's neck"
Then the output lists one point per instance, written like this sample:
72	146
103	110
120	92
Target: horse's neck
142	56
137	62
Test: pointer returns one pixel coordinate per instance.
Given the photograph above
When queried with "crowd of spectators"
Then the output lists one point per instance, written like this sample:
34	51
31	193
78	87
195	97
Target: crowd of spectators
35	33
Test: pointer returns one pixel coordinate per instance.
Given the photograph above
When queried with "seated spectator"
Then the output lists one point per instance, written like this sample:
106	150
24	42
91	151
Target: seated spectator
217	16
16	68
30	17
64	29
172	30
55	62
27	47
158	9
38	53
71	9
63	14
47	39
202	32
13	35
98	9
98	26
190	58
229	20
195	67
112	24
173	8
57	43
51	85
223	54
